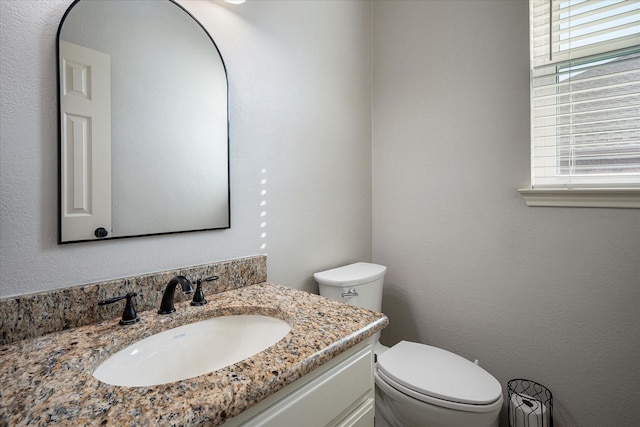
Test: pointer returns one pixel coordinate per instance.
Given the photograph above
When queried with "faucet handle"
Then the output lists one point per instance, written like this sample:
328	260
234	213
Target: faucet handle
207	279
198	296
129	315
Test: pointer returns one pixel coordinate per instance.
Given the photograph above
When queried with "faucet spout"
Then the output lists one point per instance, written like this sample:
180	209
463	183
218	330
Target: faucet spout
166	306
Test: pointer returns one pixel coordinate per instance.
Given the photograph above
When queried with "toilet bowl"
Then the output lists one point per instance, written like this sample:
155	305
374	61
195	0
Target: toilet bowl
421	385
417	385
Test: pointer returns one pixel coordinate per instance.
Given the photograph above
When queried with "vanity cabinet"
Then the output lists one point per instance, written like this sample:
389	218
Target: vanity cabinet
340	393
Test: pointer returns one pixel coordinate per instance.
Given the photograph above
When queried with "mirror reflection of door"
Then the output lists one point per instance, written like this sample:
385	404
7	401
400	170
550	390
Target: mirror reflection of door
85	140
169	118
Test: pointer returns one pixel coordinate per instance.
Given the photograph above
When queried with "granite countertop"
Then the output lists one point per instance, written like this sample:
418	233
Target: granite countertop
49	379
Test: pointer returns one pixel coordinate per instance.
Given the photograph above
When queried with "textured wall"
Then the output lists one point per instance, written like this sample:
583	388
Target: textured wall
300	147
549	294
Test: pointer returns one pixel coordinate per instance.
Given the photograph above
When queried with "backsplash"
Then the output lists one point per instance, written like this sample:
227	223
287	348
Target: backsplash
32	315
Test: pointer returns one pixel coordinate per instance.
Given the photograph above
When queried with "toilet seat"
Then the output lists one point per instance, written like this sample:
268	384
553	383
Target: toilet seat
438	377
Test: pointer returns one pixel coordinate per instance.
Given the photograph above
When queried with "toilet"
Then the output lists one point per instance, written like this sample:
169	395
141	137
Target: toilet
417	385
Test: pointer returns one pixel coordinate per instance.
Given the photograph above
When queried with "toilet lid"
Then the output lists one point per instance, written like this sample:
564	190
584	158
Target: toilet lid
351	275
439	373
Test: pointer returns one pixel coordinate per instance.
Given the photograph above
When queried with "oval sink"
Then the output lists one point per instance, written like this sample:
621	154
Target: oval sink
191	350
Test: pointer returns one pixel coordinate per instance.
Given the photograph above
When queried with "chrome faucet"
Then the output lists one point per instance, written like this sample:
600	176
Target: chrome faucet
166	306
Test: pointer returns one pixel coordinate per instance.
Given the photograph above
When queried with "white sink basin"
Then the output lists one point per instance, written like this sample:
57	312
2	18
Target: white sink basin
191	350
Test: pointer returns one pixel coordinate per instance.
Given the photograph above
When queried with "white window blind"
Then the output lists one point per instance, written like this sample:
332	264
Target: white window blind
585	93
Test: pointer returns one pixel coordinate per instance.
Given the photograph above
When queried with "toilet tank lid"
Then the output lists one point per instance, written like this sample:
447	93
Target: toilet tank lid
438	373
350	275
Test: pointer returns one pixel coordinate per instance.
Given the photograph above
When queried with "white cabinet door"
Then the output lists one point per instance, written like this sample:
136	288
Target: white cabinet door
85	130
362	416
340	393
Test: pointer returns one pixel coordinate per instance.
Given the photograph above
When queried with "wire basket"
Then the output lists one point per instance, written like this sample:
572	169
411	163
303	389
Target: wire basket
530	404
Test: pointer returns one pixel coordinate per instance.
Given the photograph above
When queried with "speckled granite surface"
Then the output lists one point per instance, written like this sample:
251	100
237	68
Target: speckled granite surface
32	315
48	380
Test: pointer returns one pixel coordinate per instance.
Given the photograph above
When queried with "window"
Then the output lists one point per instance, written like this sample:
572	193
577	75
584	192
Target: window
585	94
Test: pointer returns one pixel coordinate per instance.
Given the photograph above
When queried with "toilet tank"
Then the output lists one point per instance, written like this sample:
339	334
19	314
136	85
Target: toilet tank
358	284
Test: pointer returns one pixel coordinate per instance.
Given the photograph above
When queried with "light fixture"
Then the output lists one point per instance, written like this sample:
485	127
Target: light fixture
235	1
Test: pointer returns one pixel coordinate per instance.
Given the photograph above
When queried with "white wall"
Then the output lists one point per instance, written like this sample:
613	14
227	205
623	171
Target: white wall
299	75
549	294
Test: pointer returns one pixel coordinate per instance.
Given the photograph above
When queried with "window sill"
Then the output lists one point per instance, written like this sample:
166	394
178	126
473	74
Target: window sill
584	198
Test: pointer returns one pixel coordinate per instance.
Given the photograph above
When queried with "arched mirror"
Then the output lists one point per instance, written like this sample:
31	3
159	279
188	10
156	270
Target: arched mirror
143	122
